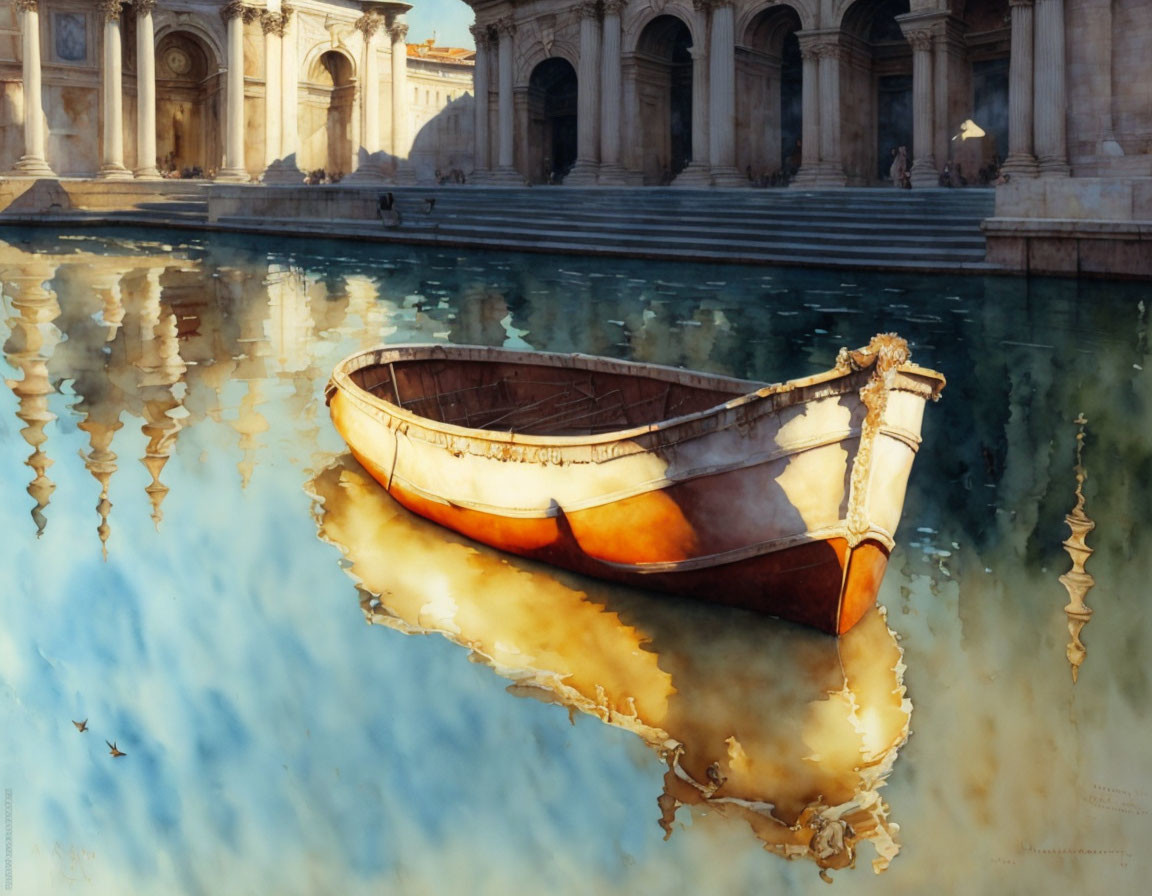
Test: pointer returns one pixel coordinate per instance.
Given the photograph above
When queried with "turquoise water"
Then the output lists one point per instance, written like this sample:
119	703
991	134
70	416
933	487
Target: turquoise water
191	559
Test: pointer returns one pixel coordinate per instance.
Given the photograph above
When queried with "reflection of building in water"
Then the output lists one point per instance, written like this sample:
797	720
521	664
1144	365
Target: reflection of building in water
28	349
251	367
161	369
1076	580
790	730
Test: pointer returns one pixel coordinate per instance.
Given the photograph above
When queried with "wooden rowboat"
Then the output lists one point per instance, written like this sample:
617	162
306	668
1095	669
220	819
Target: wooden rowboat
779	498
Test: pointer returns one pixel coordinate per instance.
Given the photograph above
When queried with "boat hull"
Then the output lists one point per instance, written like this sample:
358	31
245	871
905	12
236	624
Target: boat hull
782	500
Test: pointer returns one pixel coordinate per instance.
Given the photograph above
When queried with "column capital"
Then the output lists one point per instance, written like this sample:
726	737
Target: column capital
110	9
273	22
369	23
614	7
481	36
920	38
398	31
233	9
26	5
1021	2
702	5
143	7
589	9
506	26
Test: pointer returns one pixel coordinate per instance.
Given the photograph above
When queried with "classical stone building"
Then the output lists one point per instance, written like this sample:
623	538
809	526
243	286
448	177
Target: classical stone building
442	110
233	89
824	91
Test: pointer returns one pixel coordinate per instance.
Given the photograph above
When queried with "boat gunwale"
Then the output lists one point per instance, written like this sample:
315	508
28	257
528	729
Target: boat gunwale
379	356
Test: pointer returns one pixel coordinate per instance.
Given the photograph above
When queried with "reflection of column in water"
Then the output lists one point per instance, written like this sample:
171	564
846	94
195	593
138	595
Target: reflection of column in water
328	302
29	345
366	302
161	368
1076	580
251	368
291	330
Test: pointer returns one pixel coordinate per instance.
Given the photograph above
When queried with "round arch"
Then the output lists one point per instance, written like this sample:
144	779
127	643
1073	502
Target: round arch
189	104
637	21
661	88
326	121
552	99
806	12
769	92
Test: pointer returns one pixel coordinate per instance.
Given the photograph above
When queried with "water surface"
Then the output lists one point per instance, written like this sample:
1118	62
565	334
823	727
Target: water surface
191	559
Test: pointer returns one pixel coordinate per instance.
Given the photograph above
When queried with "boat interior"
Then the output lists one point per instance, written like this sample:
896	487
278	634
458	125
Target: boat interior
536	399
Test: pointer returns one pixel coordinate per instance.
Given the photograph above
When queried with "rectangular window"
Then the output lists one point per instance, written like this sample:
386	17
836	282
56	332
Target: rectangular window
70	37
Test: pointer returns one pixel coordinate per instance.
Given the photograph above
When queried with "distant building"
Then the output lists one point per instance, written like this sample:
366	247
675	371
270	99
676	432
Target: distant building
443	110
236	90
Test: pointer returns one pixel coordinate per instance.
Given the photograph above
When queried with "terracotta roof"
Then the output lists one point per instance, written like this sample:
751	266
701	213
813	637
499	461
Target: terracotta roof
428	50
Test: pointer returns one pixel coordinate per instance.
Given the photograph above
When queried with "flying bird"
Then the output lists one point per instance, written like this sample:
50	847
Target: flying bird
115	752
81	726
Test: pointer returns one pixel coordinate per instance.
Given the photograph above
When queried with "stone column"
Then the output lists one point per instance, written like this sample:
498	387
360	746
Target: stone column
272	24
611	171
482	154
810	114
698	173
505	157
145	90
1021	160
585	171
369	163
1050	123
287	170
830	171
722	97
234	15
34	161
923	172
401	146
111	80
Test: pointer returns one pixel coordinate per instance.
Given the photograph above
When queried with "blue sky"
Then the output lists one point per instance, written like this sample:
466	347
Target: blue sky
448	19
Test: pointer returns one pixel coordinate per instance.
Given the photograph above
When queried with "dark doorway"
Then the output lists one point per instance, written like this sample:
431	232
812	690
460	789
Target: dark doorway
791	104
893	119
552	102
664	92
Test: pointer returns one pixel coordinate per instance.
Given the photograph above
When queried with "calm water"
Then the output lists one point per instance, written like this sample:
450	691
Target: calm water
190	560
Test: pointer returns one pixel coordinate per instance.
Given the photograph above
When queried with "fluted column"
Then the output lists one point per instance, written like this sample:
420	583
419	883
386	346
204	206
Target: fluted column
506	155
272	24
699	173
923	172
830	172
810	114
1021	160
34	161
1051	129
587	165
368	169
722	97
145	90
111	80
611	172
401	146
234	15
481	153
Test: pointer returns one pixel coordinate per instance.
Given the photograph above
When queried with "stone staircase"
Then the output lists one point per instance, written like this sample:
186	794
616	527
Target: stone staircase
930	230
879	228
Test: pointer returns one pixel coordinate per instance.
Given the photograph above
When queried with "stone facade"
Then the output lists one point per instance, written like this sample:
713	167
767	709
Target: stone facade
812	92
138	89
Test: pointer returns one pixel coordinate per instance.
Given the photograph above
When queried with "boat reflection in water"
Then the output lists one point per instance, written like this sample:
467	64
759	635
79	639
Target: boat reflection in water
792	730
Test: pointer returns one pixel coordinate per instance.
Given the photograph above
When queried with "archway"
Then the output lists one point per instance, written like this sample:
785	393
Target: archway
988	38
189	134
326	138
664	99
876	90
551	121
769	82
